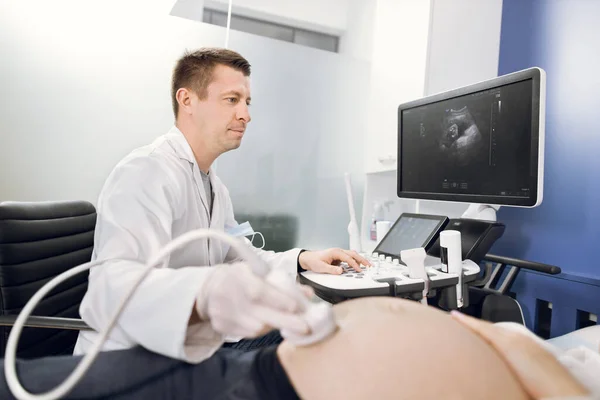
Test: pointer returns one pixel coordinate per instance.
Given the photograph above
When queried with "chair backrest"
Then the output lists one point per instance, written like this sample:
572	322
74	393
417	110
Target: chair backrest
279	230
493	307
501	308
38	241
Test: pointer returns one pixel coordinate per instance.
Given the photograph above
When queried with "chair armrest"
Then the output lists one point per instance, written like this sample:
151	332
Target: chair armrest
514	265
47	322
524	264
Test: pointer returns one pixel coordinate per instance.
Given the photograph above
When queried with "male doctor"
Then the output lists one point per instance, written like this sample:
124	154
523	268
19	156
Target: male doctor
204	294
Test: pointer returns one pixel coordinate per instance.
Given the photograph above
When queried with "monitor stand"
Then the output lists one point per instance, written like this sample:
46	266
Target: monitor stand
484	212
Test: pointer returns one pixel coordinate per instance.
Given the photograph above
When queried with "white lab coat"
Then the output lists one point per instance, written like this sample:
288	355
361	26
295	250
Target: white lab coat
152	196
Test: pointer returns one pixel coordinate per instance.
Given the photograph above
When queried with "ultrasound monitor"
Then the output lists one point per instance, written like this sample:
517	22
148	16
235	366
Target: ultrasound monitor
482	143
411	231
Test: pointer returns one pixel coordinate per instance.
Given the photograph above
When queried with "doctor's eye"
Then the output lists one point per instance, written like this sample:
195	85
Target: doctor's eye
232	100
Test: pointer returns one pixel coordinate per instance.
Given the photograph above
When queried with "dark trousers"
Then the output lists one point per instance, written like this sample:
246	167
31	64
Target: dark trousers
139	374
271	338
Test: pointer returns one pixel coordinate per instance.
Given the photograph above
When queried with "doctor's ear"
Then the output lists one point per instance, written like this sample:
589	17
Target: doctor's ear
184	98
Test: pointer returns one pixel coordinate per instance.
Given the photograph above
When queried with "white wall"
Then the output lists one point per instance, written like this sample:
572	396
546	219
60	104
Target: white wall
327	16
357	40
398	65
464	44
83	84
190	9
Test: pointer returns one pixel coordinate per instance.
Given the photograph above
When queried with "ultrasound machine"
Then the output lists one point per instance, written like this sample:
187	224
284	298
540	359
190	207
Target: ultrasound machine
481	144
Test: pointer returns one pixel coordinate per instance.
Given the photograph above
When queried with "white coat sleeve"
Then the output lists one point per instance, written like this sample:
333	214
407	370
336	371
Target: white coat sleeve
135	215
287	260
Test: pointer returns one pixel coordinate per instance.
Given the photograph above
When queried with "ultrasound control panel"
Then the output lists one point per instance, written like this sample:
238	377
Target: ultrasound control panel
386	277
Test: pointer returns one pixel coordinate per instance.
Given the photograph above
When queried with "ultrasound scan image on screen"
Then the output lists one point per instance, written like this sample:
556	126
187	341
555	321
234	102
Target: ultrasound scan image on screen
407	233
479	143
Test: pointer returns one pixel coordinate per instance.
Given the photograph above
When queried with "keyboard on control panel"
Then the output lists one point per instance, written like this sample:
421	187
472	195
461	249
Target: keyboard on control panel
375	272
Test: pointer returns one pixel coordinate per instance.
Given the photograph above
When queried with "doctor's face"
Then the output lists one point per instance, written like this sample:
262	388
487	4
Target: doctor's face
222	116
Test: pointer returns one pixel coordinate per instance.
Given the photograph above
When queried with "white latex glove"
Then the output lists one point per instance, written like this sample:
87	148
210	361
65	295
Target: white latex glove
239	303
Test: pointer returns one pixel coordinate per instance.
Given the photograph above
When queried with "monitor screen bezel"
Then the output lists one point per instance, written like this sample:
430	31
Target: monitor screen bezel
429	241
537	76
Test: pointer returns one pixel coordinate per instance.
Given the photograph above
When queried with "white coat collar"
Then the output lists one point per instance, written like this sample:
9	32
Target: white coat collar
182	147
184	151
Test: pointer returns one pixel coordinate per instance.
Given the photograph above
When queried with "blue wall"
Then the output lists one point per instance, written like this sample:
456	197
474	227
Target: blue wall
563	38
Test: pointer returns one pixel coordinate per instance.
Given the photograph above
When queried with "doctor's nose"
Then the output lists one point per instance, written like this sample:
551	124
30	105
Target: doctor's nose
243	113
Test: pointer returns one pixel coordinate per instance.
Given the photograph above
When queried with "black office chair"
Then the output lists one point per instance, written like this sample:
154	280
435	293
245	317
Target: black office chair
39	240
490	298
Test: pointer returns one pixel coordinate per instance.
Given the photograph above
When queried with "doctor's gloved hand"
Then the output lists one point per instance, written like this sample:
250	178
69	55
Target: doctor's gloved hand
328	261
238	302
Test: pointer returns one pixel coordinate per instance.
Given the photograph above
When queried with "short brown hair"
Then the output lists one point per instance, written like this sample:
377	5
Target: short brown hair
194	70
